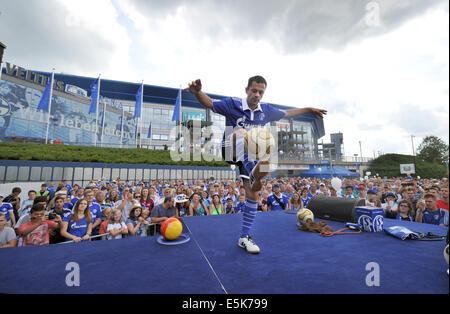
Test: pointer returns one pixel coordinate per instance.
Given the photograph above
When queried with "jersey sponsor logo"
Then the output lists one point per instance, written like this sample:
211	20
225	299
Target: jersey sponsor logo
241	123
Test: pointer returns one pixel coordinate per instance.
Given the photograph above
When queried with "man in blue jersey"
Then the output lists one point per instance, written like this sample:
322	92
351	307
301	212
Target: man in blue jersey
240	116
277	201
8	210
96	211
432	214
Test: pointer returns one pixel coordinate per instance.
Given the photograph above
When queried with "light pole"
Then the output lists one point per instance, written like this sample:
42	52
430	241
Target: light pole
331	164
54	124
360	151
2	49
414	154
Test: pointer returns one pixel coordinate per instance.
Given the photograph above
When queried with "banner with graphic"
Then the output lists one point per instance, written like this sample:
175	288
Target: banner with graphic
407	168
70	121
193	115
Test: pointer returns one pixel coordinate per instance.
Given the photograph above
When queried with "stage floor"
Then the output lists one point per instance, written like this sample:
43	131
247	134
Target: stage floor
291	262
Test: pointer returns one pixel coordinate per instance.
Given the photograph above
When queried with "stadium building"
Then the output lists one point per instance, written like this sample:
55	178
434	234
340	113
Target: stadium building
70	122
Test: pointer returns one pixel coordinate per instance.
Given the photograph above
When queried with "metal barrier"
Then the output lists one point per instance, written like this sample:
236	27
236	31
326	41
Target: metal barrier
90	238
82	172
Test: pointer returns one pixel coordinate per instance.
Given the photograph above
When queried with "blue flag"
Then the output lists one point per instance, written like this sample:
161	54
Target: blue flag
137	109
94	96
45	99
176	111
149	135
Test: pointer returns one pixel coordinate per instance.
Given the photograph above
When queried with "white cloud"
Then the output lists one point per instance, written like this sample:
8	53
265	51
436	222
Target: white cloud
101	17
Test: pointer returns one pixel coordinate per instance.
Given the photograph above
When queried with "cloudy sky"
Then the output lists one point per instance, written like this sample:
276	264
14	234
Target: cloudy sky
380	68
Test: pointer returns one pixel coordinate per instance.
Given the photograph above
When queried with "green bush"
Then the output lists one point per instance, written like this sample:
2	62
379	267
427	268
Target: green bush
389	165
43	152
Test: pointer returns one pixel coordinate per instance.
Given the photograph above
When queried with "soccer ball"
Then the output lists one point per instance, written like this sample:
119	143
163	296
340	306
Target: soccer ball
304	214
259	143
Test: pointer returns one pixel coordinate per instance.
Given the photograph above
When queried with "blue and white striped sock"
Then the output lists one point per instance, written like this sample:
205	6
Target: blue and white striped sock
249	216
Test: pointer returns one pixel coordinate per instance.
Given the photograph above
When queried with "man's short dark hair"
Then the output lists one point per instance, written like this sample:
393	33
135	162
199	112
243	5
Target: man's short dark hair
37	208
59	197
430	196
167	199
40	199
31	191
435	187
16	190
257	79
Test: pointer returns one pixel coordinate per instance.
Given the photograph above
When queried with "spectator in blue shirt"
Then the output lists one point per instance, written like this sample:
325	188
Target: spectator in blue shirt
14	200
229	209
431	214
51	188
8	210
79	193
240	205
289	191
312	191
96	211
59	209
28	203
277	201
78	226
304	197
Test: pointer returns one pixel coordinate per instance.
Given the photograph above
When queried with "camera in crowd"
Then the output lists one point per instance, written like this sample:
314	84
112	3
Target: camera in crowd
52	216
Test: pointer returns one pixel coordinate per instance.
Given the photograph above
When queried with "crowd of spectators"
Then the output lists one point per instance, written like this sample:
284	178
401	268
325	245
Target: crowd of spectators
117	209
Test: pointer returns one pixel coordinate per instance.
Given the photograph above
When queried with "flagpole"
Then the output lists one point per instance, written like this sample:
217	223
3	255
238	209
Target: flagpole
103	123
137	131
121	128
49	105
96	112
179	114
142	104
181	101
136	121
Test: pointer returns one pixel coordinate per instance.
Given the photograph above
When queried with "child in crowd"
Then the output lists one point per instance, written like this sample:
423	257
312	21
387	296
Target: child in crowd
146	221
116	226
106	212
240	205
229	209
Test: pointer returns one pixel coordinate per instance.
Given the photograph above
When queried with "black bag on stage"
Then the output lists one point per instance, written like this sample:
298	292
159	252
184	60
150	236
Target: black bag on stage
335	208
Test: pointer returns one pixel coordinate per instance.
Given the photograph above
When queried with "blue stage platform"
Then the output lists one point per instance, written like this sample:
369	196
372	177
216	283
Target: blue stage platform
291	262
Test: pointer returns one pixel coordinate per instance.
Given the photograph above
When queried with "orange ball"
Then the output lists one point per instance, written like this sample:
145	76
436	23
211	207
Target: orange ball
171	229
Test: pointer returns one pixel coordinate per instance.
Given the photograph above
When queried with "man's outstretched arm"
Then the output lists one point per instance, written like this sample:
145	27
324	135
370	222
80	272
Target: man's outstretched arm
318	113
196	88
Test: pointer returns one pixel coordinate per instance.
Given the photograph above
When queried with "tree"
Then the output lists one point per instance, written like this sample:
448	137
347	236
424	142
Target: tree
433	149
